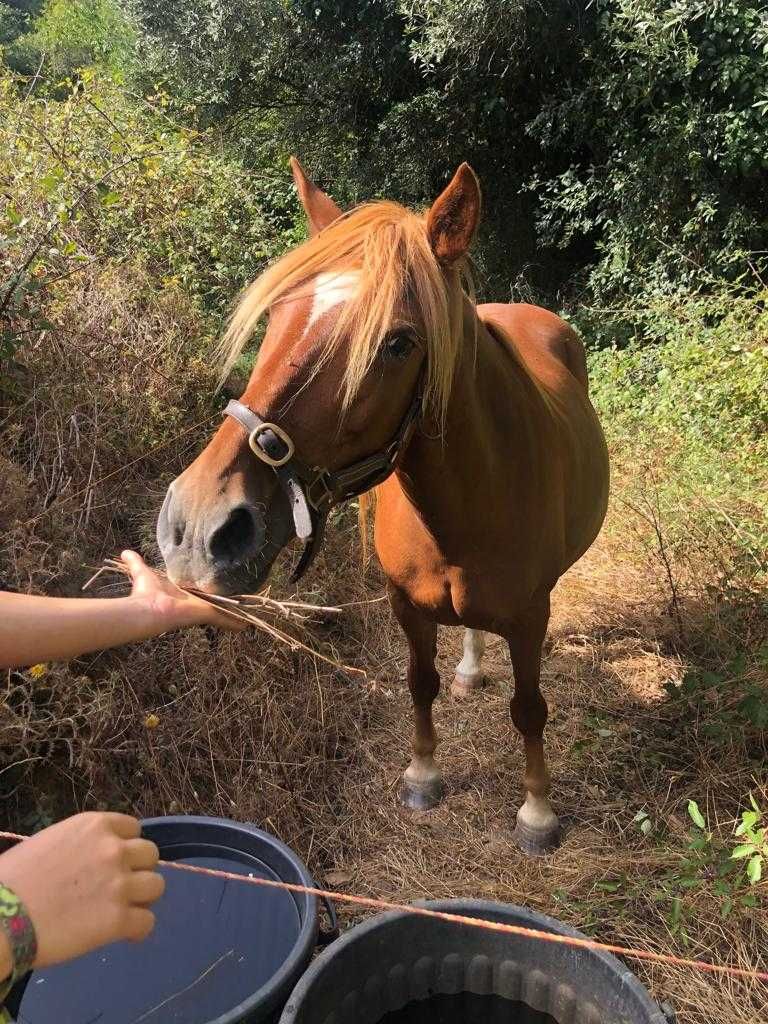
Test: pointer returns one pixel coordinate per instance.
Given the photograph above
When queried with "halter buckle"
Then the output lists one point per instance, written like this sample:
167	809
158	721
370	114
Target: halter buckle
258	451
326	497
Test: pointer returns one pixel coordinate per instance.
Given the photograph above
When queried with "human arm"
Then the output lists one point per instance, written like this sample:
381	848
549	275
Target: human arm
37	629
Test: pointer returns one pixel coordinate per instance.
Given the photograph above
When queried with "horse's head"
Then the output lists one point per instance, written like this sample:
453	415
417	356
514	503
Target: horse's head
365	322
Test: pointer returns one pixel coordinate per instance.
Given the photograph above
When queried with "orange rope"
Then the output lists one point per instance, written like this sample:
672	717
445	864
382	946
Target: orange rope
473	922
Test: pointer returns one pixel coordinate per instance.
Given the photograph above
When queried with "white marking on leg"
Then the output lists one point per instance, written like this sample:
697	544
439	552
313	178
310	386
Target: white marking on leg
330	290
471	665
536	813
422	771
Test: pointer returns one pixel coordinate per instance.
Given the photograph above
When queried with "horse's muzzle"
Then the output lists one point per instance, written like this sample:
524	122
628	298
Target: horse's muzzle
227	549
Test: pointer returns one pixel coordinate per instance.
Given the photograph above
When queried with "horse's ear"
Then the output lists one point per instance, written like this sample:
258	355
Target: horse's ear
453	217
319	208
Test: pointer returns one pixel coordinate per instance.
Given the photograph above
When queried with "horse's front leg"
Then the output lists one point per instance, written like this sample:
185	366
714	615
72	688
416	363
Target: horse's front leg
422	786
537	829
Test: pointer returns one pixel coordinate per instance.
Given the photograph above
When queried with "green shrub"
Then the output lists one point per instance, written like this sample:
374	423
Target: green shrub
16	18
104	178
70	34
685	408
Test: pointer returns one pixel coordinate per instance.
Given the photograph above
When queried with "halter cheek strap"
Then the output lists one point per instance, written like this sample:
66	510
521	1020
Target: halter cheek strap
312	492
273	446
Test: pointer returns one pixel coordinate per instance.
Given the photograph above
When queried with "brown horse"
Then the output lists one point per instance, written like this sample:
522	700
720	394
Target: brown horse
474	421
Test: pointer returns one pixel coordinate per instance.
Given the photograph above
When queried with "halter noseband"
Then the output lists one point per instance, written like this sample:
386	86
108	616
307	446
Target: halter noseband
312	492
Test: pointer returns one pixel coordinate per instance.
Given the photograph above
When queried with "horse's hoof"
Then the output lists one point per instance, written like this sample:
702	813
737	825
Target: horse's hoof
535	842
424	797
463	686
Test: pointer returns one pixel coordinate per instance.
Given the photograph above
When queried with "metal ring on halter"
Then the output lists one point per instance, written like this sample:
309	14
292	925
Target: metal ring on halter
253	442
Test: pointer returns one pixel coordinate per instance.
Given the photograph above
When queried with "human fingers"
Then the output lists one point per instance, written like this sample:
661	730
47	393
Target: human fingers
139	923
144	887
136	565
125	826
141	854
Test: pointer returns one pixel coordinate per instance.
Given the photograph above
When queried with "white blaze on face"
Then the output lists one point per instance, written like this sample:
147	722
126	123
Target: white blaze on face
331	290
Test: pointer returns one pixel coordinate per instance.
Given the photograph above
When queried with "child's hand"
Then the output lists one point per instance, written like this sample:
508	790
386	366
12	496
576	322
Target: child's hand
85	882
171	602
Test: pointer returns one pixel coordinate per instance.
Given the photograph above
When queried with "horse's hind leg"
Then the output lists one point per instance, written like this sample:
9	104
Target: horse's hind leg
469	672
537	829
422	786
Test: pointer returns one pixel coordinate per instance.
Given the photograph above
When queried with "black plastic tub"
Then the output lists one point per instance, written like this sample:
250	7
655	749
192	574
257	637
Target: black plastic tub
223	952
398	968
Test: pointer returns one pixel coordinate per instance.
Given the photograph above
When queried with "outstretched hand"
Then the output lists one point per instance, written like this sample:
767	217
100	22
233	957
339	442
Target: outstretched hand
173	603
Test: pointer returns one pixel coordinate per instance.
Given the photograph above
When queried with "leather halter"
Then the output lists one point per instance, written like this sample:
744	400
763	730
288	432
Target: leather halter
312	492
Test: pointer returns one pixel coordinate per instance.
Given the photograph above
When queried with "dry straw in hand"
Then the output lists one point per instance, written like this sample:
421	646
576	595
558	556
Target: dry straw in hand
251	609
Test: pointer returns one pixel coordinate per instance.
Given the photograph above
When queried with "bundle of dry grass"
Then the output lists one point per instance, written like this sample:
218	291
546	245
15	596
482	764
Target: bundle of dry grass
244	607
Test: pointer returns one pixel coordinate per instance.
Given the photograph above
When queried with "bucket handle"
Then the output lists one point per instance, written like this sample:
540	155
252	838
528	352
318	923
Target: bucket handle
327	935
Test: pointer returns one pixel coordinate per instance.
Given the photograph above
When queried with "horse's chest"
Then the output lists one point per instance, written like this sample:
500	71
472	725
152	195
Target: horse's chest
448	594
475	575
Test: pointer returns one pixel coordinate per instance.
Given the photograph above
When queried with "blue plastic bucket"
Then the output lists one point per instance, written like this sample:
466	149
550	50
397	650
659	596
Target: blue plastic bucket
222	951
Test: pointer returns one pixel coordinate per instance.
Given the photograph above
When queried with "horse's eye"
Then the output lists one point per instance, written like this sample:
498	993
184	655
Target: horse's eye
398	346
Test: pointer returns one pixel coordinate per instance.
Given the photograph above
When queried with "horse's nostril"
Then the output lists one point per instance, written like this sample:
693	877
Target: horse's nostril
178	535
233	540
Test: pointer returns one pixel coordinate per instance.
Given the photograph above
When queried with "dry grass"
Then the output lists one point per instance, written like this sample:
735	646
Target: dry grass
250	729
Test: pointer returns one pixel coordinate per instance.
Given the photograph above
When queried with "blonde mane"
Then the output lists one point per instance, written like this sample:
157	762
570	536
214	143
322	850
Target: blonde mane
387	247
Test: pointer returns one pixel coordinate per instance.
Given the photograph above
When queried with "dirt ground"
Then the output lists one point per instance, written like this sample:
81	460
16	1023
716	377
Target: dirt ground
615	746
248	729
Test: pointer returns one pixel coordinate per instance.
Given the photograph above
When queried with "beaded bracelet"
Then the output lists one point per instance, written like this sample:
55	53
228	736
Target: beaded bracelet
16	923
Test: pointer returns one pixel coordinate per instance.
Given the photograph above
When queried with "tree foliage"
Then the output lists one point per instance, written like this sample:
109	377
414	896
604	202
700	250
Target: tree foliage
100	178
620	143
379	97
666	119
69	34
16	17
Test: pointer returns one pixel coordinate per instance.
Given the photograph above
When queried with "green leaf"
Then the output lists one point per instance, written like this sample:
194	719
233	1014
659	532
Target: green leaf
755	869
754	707
748	821
695	814
746	850
738	665
675	914
711	678
645	826
691	681
110	198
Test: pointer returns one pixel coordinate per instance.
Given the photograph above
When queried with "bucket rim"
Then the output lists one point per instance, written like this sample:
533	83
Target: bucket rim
471	908
267	996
